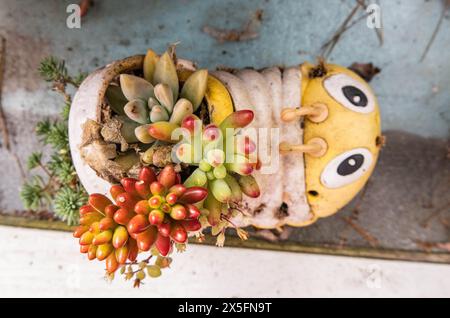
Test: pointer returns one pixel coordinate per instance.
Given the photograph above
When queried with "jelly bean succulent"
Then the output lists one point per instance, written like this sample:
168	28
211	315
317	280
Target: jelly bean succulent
225	162
154	101
158	116
149	214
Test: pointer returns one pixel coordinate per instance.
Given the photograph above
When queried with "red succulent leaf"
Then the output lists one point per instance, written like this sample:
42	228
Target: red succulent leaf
85	209
84	249
80	230
129	185
178	233
156	217
171	198
99	202
163	244
178	212
192	211
115	190
92	252
167	177
110	210
178	189
146	239
193	195
139	223
191	225
164	229
147	175
189	122
111	263
122	254
106	223
143	189
120	237
157	188
142	207
126	201
123	216
133	250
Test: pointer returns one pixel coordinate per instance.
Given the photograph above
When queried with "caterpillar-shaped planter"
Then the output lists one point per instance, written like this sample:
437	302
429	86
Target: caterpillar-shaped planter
328	125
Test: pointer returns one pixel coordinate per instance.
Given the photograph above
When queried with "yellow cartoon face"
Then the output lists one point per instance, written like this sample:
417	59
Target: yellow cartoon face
351	132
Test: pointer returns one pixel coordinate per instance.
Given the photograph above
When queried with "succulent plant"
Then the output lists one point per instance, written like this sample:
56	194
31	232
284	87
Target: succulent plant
151	213
227	179
148	110
155	102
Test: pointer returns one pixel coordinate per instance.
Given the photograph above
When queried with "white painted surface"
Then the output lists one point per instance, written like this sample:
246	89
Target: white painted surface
45	263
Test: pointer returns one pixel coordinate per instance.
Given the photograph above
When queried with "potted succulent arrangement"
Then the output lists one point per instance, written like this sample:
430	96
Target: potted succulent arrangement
166	150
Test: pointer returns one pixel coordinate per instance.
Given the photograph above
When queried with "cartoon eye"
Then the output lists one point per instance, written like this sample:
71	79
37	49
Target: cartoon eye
350	93
346	168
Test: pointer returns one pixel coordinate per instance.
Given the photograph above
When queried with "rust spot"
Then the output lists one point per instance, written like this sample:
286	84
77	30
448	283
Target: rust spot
259	209
313	193
282	212
319	70
380	141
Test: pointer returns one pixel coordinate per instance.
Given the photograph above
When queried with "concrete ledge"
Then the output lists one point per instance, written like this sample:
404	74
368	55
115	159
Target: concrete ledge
254	243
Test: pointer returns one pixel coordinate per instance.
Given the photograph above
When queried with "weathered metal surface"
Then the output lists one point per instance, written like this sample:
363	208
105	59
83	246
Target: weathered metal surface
412	177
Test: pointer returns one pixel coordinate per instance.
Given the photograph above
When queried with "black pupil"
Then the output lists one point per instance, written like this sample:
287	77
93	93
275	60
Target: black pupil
355	96
350	164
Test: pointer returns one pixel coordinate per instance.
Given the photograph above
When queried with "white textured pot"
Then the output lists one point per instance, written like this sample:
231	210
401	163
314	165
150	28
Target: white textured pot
267	93
86	105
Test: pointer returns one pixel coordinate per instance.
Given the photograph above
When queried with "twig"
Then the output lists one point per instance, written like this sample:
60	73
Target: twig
378	31
328	47
361	231
360	199
354	215
19	164
223	217
247	32
60	87
137	263
45	170
346	28
429	246
3	120
436	29
435	213
444	222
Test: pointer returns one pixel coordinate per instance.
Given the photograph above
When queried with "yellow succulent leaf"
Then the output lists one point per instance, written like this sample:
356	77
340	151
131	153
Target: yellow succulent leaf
220	104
